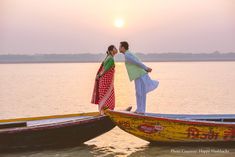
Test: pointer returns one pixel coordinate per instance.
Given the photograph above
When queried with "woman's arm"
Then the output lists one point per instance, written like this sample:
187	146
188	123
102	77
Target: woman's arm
108	64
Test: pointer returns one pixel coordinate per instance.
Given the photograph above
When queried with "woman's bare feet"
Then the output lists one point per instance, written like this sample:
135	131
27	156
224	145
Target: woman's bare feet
102	112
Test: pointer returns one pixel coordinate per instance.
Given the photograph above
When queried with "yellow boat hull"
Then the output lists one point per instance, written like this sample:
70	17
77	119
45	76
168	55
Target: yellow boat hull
162	129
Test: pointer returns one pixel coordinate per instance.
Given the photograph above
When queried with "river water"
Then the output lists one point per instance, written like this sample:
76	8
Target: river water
28	90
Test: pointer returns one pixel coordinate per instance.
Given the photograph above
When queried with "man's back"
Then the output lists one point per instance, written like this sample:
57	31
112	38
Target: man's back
135	68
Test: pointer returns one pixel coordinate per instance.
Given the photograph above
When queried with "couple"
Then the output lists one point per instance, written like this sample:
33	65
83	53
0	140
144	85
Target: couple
103	93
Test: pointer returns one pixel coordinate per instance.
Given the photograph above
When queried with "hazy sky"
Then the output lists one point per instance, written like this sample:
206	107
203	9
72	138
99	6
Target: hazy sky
89	26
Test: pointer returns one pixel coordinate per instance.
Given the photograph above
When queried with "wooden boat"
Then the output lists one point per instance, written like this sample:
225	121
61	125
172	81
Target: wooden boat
57	130
176	128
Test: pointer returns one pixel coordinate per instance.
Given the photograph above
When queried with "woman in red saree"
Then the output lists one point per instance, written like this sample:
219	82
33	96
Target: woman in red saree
103	93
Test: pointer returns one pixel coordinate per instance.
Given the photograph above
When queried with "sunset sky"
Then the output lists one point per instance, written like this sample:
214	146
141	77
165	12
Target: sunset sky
89	26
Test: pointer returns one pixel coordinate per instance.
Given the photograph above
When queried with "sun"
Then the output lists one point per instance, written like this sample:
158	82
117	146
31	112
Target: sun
119	23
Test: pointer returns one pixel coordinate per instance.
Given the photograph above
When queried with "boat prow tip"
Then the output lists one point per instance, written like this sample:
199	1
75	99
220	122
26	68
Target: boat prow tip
128	108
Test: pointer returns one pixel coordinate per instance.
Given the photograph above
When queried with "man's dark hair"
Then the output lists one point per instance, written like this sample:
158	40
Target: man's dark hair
125	45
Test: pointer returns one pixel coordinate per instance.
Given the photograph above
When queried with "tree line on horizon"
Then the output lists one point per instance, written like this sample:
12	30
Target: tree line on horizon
88	57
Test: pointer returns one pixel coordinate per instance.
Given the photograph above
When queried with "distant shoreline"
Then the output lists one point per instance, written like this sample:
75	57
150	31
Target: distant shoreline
97	58
116	62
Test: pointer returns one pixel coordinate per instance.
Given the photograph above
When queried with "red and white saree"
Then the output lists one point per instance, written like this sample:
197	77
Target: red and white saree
103	92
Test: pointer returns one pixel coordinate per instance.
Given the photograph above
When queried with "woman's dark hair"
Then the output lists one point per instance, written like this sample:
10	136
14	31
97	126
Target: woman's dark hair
125	45
110	48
